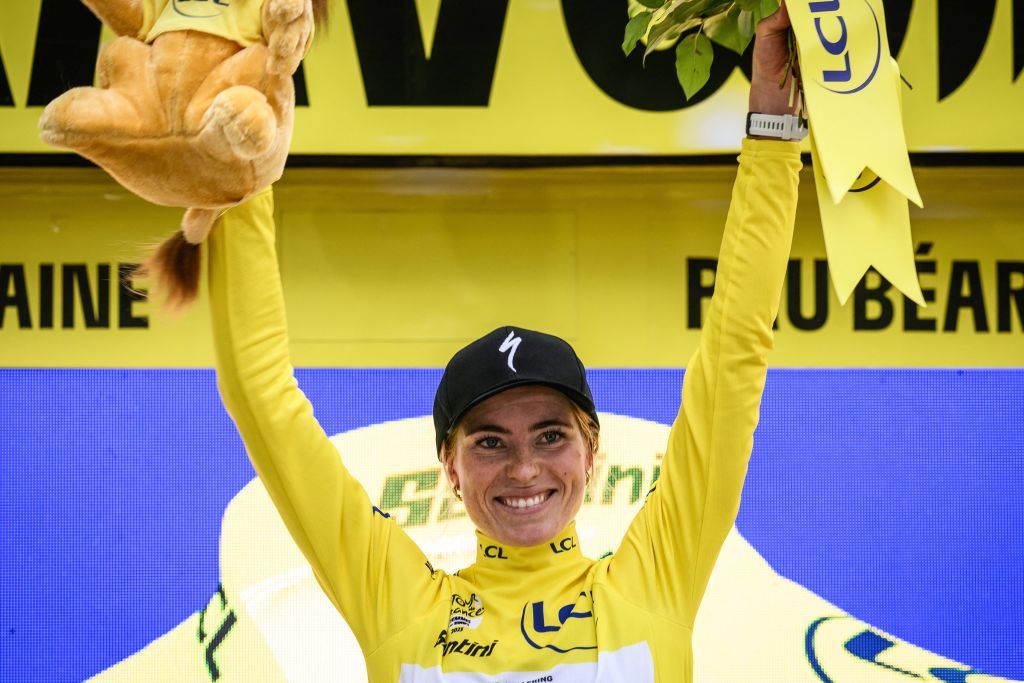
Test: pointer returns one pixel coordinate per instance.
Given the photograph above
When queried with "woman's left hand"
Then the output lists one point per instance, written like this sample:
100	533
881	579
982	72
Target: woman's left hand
771	65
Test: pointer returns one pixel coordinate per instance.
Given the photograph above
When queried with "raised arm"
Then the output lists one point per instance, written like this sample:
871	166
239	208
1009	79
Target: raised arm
362	560
671	547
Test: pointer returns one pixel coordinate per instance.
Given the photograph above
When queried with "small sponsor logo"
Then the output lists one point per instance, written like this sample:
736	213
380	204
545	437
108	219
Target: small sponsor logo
199	9
839	648
842	76
534	624
494	551
511	344
563	545
865	181
465	646
465	613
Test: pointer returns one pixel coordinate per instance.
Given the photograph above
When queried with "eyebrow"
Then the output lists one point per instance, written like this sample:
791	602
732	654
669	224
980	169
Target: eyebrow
486	428
501	430
549	423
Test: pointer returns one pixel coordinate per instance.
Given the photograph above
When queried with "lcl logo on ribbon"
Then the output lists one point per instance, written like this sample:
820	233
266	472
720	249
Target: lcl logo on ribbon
831	12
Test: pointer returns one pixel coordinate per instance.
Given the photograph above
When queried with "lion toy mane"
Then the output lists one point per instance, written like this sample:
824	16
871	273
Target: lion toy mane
194	108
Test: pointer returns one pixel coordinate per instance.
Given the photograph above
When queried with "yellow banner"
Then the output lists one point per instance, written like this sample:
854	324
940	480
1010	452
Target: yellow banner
398	268
536	78
851	86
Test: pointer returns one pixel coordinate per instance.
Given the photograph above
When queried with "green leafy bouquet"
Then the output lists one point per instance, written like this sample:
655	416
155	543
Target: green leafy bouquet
730	23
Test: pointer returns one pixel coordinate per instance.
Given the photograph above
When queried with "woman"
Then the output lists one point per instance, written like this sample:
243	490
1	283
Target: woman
516	433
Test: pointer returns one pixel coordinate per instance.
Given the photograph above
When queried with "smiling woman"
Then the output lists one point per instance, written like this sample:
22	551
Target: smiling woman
516	429
517	433
520	464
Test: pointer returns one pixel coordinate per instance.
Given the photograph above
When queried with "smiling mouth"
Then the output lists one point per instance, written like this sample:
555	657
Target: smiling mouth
525	502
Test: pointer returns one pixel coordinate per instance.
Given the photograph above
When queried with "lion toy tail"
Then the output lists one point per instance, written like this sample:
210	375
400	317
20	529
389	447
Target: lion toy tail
176	262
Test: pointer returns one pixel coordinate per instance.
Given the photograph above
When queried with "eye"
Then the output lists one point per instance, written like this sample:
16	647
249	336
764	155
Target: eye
489	442
552	437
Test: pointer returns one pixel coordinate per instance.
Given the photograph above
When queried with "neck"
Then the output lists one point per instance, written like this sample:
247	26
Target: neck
498	555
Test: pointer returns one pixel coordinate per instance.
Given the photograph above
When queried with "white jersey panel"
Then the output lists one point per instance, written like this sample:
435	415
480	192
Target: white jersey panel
632	664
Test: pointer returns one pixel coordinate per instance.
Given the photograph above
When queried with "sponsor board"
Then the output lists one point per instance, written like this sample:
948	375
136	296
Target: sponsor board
547	78
754	625
360	252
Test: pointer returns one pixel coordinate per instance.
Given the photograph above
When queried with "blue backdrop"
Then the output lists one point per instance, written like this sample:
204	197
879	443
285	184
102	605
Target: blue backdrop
895	494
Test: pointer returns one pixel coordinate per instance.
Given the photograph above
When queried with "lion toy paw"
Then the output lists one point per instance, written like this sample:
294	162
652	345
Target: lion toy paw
194	108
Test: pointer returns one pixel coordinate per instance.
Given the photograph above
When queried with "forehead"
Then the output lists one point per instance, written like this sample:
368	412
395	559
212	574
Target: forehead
526	402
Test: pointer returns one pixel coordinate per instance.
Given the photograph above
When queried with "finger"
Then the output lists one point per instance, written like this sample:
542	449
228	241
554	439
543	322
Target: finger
776	23
782	15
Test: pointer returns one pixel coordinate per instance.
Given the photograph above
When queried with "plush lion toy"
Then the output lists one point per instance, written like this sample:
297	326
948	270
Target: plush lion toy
194	108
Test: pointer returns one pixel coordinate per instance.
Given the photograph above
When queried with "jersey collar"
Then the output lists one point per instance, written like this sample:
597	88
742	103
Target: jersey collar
495	555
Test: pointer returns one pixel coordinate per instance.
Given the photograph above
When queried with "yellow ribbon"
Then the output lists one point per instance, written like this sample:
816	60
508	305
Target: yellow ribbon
861	166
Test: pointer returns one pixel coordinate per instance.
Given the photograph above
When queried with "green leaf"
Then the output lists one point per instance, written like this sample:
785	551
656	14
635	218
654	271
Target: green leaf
694	55
653	4
680	19
769	7
732	30
635	30
748	5
747	25
724	29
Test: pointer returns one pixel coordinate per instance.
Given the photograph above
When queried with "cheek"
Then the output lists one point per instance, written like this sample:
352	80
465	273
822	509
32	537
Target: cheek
475	476
574	466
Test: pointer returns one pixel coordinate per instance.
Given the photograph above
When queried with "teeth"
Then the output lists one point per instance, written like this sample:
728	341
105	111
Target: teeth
525	502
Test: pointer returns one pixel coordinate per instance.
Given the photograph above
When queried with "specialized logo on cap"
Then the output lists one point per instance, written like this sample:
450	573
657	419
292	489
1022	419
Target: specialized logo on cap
510	344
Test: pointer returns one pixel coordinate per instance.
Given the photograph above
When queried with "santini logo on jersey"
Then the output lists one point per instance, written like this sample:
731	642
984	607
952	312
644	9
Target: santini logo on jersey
463	647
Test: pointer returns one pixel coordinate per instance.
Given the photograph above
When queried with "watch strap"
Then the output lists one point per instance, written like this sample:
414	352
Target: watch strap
781	126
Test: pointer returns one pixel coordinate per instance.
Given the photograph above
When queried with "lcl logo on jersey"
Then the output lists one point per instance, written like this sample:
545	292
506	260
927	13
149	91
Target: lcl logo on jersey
563	545
537	625
495	552
199	9
835	41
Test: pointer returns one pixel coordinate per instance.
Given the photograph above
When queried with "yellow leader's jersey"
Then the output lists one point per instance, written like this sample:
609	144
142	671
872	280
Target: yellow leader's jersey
517	615
237	20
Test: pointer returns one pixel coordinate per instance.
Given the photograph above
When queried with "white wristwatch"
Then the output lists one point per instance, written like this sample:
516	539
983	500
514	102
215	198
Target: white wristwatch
784	126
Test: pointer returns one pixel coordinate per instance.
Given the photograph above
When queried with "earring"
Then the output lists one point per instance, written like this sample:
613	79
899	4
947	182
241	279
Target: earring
588	477
458	494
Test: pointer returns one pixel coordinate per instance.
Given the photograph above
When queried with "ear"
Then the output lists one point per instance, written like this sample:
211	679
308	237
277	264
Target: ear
448	464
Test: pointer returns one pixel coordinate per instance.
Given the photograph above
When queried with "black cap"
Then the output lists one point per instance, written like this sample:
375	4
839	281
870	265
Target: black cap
506	358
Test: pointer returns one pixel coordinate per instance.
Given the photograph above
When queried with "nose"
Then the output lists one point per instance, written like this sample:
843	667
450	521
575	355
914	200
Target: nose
524	466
